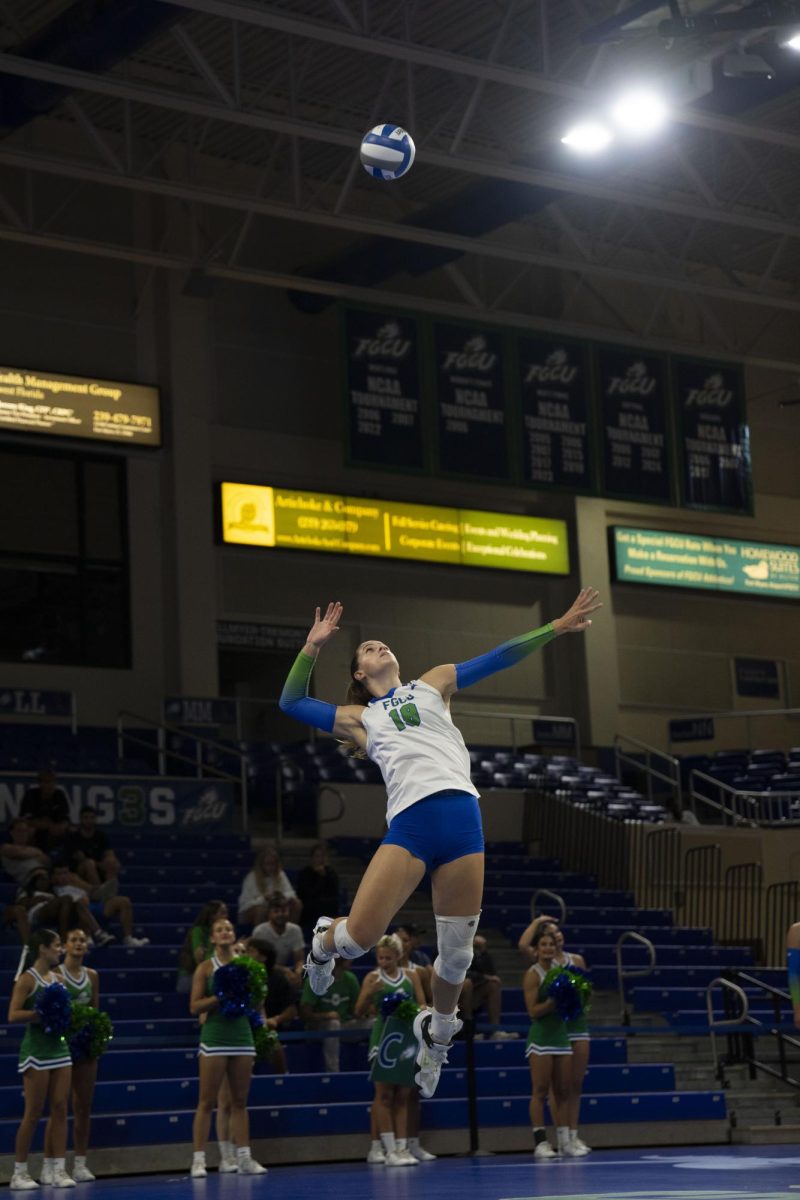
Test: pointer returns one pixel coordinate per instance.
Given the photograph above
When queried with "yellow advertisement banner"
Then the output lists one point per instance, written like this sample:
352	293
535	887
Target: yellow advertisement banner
271	517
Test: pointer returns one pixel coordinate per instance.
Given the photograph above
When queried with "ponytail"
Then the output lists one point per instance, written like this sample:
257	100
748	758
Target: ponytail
357	693
42	937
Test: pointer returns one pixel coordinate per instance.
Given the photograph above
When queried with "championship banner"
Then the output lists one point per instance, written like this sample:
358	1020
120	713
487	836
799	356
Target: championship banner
30	702
554	390
133	803
635	458
715	468
384	417
470	402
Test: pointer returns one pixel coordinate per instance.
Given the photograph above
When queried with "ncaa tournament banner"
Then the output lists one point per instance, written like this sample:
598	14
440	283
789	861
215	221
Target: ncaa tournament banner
715	469
384	416
470	401
554	390
635	457
142	804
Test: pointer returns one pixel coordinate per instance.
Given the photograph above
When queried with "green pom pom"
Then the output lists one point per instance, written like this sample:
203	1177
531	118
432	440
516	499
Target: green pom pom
266	1042
257	974
90	1031
406	1011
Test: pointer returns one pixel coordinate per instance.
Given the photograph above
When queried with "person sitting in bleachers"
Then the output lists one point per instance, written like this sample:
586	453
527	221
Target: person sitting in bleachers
281	1006
483	986
334	1010
285	938
266	878
22	859
88	853
46	806
35	906
117	908
196	946
318	885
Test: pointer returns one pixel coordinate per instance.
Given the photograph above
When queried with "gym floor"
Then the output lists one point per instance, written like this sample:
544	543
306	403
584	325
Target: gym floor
713	1173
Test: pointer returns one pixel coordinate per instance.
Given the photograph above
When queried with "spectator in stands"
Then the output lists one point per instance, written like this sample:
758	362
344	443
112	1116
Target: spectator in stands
35	905
88	853
548	1050
266	878
318	884
334	1010
285	938
390	1105
22	859
196	946
44	1063
117	908
226	1050
410	936
483	986
47	808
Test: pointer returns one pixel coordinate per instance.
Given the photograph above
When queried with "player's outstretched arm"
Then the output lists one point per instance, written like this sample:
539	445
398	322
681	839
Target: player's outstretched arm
451	677
342	720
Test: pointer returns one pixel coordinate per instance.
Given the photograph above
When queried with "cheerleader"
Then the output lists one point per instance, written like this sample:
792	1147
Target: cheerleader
44	1063
389	1113
82	984
548	1050
579	1040
227	1051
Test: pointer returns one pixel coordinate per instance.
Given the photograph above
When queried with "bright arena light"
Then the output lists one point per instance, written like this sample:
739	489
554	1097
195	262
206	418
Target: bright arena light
639	113
590	137
793	42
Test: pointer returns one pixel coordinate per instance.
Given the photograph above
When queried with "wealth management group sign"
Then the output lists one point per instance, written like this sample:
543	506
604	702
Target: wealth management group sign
683	560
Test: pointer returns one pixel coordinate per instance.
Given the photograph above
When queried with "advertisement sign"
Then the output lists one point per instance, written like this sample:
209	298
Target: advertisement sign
277	518
757	677
691	729
470	402
29	702
554	391
134	803
104	410
550	731
653	556
636	463
255	635
714	444
384	418
199	710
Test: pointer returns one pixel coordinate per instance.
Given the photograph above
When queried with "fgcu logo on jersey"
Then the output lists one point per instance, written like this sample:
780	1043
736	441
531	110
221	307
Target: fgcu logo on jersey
713	394
555	369
474	356
387	343
635	382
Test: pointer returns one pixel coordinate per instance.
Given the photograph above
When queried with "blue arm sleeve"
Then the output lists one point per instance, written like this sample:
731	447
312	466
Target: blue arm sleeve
507	655
296	702
793	967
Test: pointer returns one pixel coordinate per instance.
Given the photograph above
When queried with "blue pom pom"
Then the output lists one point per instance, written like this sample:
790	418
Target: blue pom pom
54	1006
566	996
390	1003
232	987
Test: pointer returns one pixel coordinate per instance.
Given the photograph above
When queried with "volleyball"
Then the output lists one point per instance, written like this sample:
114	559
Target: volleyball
387	152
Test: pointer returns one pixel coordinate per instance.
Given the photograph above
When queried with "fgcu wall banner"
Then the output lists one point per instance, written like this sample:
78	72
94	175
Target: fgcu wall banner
139	804
555	395
635	458
470	402
715	463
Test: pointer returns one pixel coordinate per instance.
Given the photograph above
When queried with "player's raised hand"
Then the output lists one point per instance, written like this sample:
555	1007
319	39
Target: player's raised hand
578	617
325	627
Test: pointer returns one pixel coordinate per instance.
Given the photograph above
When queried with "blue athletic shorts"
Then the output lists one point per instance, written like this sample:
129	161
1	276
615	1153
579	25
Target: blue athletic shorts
439	829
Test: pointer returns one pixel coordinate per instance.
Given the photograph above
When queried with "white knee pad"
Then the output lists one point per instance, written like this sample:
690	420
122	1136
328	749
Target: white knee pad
454	936
346	947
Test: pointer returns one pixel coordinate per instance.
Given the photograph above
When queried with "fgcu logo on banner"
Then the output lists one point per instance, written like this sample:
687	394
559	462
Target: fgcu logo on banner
474	356
555	369
713	394
388	342
635	382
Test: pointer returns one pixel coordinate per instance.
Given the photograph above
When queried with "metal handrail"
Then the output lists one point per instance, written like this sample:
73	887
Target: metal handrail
513	717
340	796
553	896
714	1024
742	713
651	772
740	798
637	973
201	767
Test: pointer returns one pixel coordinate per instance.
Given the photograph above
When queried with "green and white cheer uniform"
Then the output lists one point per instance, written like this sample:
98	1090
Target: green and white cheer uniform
224	1035
577	1030
389	986
547	1034
80	989
39	1050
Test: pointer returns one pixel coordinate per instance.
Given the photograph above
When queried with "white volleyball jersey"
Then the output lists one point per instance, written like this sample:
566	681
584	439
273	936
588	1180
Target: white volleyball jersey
412	738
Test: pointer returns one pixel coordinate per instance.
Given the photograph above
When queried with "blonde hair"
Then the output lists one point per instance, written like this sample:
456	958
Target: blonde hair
390	941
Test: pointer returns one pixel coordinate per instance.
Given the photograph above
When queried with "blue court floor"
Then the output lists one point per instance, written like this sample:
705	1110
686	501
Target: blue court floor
713	1173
